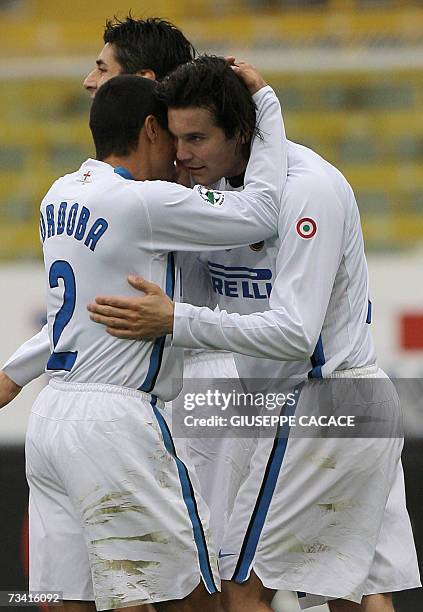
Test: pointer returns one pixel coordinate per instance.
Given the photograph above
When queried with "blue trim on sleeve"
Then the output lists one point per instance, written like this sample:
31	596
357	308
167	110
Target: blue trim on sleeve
157	352
190	502
264	498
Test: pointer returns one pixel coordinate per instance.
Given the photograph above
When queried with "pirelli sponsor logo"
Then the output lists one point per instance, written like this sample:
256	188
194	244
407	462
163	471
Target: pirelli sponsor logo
240	281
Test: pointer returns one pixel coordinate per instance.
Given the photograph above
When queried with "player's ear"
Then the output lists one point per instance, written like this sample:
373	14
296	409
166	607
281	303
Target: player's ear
151	127
147	73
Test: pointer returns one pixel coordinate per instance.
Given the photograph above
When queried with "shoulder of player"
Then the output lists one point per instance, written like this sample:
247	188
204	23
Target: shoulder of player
57	186
314	181
157	195
315	190
152	191
67	179
307	167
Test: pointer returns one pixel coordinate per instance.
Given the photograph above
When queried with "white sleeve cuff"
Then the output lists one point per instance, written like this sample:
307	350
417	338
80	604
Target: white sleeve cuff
182	336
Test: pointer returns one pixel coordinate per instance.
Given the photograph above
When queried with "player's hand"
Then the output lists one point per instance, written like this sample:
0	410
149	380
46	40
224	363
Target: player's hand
8	389
135	318
253	80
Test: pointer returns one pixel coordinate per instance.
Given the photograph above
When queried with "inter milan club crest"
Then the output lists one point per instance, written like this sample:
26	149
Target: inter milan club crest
212	197
306	228
257	246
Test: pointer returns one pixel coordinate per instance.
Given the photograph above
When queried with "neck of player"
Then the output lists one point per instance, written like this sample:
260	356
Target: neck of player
139	171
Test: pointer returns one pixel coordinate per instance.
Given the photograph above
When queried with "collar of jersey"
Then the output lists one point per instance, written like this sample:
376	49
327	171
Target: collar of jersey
236	181
124	173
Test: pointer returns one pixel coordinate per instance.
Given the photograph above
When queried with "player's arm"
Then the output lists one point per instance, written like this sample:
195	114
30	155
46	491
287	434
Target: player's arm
8	389
306	269
30	359
183	219
311	233
26	364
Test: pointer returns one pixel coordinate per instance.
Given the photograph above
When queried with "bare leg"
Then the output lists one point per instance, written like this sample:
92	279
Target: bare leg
250	596
369	603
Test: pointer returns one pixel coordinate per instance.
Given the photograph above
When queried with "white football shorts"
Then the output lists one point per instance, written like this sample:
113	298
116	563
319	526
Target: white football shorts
395	565
323	516
115	515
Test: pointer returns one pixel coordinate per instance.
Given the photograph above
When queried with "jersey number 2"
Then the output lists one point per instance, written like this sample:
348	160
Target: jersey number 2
61	269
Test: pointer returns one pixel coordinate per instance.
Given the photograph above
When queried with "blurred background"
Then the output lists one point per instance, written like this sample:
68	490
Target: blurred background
349	74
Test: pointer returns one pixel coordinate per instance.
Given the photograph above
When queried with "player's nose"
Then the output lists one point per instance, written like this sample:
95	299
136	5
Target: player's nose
183	153
90	83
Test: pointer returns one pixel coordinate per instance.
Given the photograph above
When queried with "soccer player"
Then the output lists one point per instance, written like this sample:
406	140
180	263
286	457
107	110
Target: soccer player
105	482
308	517
150	48
24	366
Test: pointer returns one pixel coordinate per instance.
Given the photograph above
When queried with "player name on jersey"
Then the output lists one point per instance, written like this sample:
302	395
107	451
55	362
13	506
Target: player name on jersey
68	220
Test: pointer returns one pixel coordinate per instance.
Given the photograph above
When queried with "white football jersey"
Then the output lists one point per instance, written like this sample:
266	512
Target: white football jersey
301	299
98	226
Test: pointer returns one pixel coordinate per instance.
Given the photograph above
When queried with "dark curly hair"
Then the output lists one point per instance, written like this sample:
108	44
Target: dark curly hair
152	43
209	82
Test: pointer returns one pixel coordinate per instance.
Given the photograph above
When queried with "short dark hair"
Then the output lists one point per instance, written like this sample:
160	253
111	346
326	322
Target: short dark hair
209	82
152	43
118	113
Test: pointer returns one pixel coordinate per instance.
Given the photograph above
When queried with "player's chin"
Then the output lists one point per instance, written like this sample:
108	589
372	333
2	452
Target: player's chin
203	176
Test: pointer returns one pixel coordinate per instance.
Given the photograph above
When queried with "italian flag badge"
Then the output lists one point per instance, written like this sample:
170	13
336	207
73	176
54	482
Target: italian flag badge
306	228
